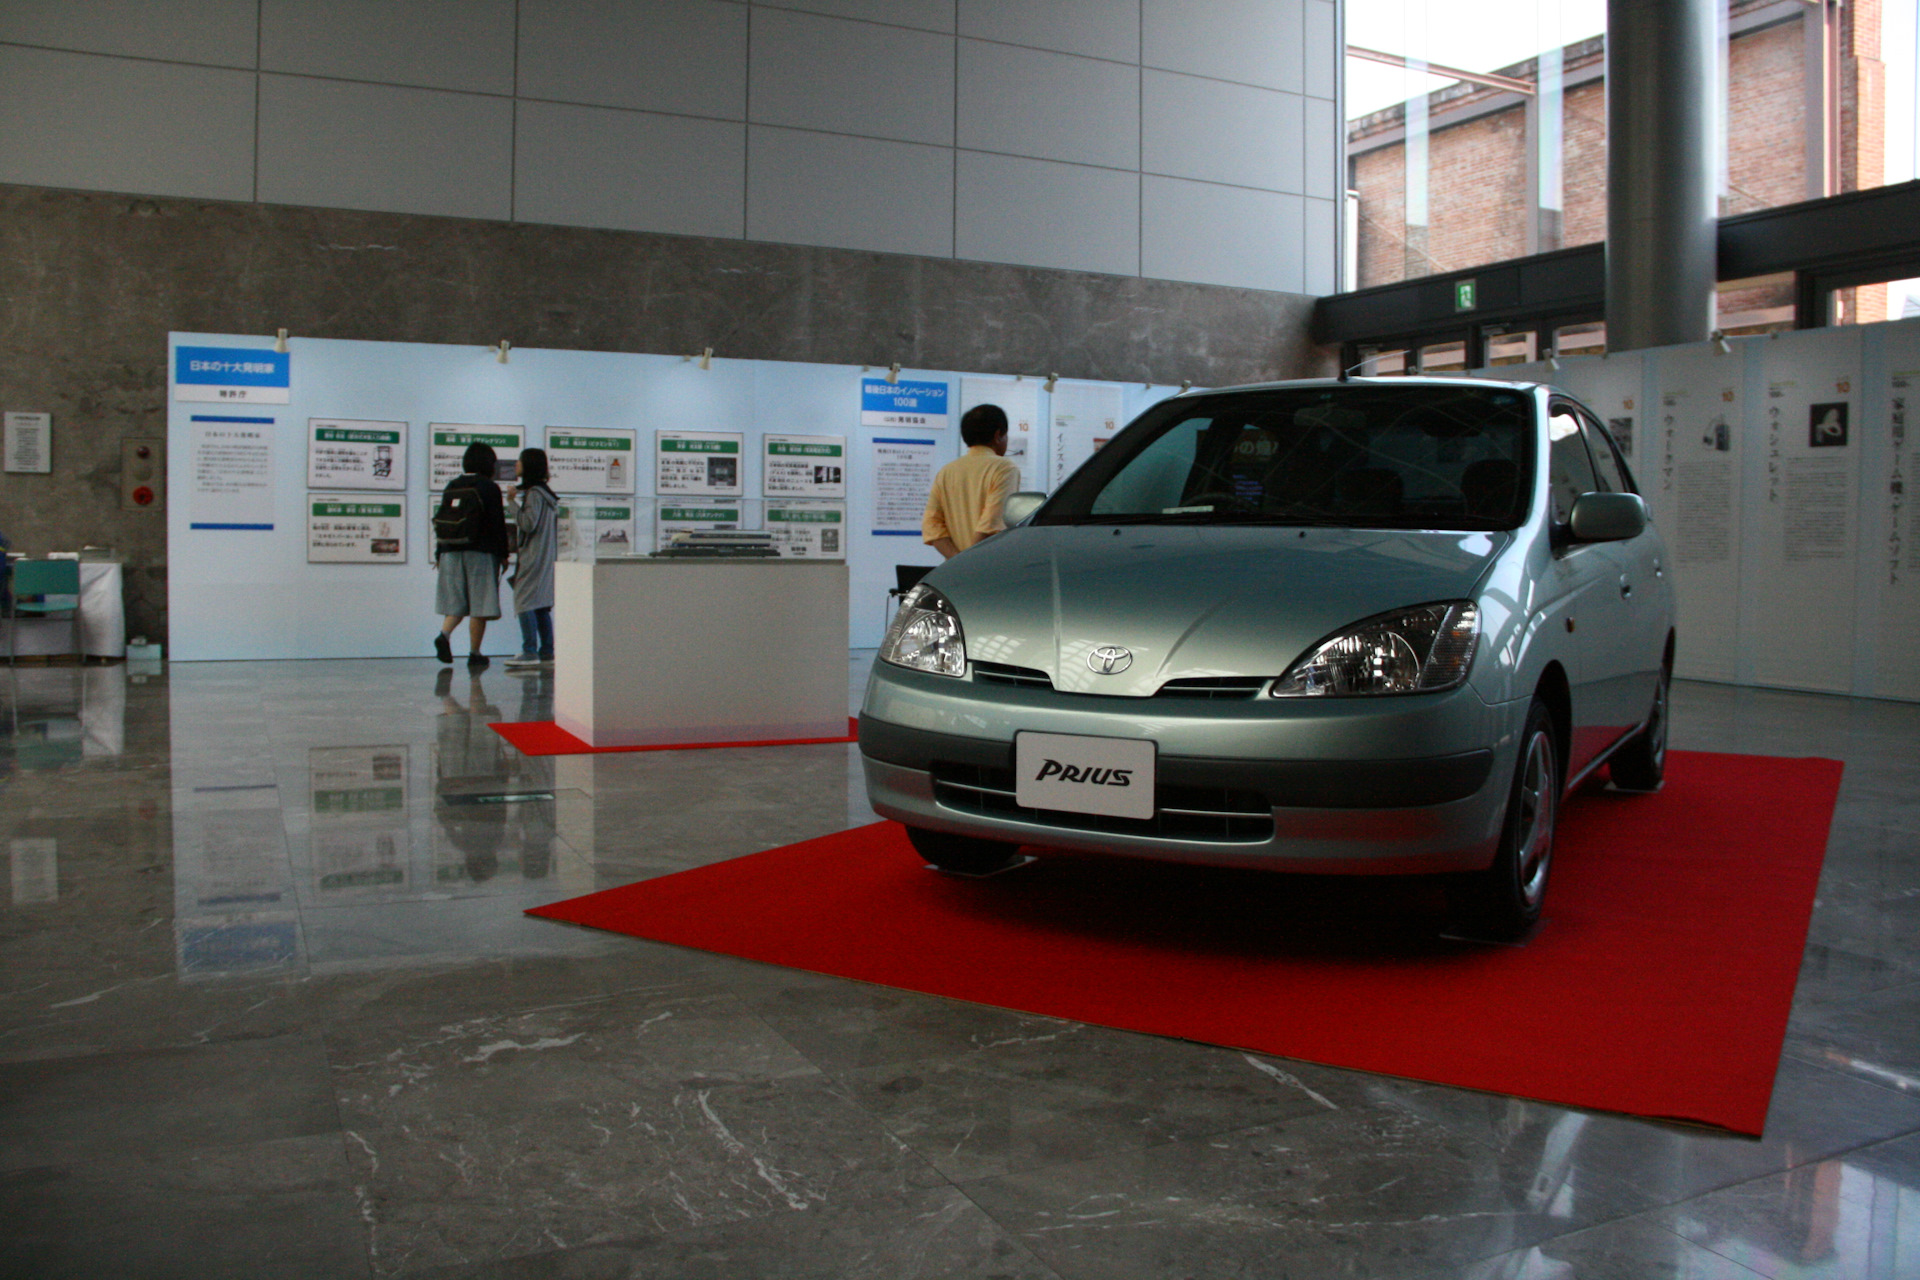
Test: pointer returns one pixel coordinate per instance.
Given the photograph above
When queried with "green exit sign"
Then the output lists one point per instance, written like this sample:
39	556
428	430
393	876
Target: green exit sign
1465	297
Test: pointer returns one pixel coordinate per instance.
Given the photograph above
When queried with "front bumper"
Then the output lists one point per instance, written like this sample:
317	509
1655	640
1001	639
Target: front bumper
1362	786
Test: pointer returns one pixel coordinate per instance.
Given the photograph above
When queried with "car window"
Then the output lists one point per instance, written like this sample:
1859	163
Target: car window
1569	467
1608	465
1356	455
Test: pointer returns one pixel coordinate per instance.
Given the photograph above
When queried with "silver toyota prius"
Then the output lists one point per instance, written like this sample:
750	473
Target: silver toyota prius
1366	626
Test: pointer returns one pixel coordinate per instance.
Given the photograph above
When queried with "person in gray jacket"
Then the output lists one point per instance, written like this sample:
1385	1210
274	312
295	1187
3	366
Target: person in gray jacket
535	513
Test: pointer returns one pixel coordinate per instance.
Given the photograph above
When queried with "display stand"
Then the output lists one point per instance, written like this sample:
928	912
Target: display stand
657	651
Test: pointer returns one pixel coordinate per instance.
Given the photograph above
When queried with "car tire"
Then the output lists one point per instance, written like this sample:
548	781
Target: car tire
1641	762
962	855
1503	902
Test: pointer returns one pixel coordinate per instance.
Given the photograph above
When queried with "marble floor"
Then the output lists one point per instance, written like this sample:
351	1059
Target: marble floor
269	1007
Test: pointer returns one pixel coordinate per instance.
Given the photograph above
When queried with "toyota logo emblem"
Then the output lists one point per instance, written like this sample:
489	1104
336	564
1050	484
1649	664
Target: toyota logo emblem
1109	660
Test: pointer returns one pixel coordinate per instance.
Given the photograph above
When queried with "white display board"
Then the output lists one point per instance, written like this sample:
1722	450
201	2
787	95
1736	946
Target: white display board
448	443
699	464
693	517
1694	487
1890	518
347	454
1019	398
808	530
599	461
347	528
803	466
1085	416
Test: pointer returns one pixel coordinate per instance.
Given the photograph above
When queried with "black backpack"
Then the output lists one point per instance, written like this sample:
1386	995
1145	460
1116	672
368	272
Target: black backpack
456	525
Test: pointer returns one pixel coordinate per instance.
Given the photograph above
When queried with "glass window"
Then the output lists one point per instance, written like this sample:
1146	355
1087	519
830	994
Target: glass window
1384	362
1444	357
1569	468
1511	348
1609	467
1360	455
1588	339
1761	304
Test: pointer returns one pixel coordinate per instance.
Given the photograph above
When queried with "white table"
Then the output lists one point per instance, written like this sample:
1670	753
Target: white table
103	618
651	652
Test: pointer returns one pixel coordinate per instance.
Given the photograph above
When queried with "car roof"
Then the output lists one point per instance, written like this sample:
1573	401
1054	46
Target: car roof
1394	381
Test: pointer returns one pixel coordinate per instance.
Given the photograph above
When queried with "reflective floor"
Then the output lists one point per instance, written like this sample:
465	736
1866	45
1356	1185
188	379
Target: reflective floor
269	1007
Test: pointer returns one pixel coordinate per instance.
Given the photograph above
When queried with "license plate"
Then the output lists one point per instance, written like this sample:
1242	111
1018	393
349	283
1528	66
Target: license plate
1075	774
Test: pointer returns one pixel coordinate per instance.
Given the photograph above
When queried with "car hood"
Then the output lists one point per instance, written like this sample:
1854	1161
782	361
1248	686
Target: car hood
1191	602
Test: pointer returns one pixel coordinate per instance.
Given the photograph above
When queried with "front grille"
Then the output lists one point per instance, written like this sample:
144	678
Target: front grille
1213	687
1215	814
1001	673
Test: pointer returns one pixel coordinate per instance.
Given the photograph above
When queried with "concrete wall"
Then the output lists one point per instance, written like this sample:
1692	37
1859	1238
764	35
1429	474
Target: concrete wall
90	285
1187	140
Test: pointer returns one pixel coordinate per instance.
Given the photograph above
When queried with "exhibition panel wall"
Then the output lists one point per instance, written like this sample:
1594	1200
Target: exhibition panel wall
1776	468
302	484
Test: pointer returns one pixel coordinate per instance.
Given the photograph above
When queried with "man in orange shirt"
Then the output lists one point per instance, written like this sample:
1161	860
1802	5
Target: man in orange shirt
970	493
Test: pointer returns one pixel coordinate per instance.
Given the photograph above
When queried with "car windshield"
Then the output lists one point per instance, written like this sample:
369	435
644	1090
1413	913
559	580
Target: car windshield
1362	455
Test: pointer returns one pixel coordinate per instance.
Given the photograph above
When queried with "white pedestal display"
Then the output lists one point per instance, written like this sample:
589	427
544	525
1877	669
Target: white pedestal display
653	652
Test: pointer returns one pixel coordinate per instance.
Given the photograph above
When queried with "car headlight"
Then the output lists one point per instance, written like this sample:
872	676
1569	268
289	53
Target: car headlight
1413	650
925	635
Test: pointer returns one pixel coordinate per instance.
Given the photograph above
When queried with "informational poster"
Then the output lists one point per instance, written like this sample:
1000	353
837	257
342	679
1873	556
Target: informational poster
593	527
231	460
346	453
348	529
1694	488
1893	555
1021	401
902	478
699	464
808	530
600	461
1800	576
29	442
232	375
687	517
447	444
1610	386
1085	417
803	466
919	405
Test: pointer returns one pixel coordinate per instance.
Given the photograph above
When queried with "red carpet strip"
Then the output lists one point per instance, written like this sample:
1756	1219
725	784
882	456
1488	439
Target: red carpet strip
1659	984
545	738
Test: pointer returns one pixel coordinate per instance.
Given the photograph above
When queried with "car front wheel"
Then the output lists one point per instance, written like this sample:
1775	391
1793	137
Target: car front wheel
962	855
1503	902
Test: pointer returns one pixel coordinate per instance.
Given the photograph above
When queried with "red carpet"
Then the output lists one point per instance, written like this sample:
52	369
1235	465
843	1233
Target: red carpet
1659	984
545	738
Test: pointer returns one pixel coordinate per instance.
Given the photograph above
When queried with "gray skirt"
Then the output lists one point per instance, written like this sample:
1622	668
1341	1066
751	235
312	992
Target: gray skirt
469	585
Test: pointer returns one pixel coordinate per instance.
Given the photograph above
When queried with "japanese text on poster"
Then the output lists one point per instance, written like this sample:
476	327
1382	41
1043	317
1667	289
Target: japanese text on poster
448	441
232	464
902	478
701	464
808	530
347	454
29	442
673	517
348	530
921	405
804	466
592	527
232	375
591	461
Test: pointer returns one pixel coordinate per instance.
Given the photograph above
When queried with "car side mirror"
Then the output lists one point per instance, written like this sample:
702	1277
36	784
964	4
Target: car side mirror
1021	506
1608	517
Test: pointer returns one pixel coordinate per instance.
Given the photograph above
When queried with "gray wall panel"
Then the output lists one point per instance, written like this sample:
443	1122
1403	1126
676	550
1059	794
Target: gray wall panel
357	146
111	124
1221	132
1321	275
684	56
1094	28
217	33
928	15
1052	106
851	77
462	44
1323	149
596	167
1044	214
1323	52
1250	41
1204	233
849	193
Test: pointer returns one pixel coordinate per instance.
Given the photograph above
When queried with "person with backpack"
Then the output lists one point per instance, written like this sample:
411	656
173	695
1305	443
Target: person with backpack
470	548
536	516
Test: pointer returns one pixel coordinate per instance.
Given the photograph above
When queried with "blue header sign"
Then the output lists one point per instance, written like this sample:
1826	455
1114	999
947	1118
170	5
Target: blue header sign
232	375
904	404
